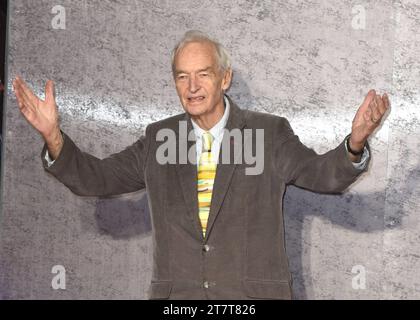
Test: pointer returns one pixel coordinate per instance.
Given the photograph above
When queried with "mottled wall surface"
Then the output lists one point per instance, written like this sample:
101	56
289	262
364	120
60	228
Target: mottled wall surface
310	61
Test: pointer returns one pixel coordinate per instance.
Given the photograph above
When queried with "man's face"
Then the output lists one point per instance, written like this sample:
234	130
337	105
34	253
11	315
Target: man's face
199	81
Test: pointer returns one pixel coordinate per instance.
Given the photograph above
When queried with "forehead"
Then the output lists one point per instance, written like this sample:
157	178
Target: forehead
195	56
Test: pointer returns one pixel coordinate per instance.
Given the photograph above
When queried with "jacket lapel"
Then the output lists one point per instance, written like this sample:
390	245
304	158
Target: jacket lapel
187	175
224	172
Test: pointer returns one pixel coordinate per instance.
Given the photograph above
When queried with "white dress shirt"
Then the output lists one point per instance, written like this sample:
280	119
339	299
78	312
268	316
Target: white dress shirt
216	131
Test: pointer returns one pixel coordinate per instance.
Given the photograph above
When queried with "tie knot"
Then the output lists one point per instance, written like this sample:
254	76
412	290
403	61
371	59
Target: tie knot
207	141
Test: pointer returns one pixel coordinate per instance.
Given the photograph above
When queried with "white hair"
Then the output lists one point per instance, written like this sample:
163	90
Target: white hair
190	36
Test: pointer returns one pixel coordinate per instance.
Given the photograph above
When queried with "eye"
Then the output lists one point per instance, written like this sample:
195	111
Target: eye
204	74
181	77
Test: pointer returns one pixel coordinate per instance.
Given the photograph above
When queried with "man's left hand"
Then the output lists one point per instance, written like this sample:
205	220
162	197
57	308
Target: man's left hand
367	119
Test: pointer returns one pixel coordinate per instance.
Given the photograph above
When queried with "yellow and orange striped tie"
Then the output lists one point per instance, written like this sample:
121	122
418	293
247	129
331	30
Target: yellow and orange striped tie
206	175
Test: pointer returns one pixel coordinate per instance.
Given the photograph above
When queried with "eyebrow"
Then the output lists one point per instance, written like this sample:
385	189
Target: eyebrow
201	70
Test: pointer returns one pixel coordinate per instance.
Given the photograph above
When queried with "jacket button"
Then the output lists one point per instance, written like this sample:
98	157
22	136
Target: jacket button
206	284
206	248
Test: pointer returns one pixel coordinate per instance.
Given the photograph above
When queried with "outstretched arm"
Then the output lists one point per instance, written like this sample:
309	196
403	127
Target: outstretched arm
81	172
333	171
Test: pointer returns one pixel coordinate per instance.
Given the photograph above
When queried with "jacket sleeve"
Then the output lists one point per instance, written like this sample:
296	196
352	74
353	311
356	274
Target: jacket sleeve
301	166
86	175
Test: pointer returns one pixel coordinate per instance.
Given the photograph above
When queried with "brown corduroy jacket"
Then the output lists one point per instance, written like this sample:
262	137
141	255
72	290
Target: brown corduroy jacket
243	254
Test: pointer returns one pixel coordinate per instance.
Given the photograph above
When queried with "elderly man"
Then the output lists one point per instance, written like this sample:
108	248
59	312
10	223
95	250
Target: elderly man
217	231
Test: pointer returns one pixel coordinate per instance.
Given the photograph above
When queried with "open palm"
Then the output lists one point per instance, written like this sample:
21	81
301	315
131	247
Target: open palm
368	117
41	114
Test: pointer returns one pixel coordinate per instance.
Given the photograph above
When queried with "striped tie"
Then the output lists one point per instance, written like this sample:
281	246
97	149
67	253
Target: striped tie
206	175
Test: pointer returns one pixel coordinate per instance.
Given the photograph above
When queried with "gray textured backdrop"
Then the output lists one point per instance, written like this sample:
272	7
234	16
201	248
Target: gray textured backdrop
305	60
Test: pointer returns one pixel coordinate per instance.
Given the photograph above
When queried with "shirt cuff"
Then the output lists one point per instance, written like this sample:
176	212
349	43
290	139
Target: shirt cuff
50	162
363	161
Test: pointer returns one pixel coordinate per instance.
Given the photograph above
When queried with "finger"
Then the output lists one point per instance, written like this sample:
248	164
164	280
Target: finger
380	104
385	99
24	109
368	114
29	99
19	100
23	99
368	99
376	116
16	89
17	86
19	97
26	92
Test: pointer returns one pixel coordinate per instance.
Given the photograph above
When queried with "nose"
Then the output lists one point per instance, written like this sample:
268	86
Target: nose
193	84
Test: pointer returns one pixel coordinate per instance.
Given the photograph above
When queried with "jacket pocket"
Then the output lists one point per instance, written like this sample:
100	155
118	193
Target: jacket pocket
160	289
268	289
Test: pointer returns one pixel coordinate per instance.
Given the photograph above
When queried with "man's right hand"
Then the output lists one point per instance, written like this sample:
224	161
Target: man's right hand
41	114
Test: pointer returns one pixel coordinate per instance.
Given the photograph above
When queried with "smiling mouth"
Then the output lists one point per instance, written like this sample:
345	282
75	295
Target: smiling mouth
196	99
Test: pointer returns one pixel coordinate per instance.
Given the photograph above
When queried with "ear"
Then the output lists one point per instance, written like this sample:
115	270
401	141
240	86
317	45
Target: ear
227	79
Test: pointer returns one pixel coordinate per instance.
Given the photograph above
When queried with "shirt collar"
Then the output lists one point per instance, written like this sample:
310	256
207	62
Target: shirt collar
218	129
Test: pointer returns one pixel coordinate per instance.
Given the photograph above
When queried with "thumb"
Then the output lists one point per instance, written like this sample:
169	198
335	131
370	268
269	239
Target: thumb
49	91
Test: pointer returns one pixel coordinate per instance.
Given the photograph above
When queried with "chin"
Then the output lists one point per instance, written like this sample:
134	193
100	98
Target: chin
195	110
